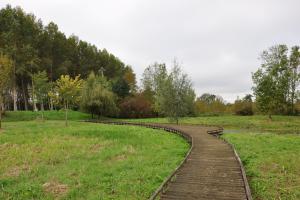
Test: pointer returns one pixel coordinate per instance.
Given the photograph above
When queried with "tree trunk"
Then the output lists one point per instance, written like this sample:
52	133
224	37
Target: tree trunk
15	97
42	109
15	87
33	98
293	90
0	118
66	113
51	104
270	117
24	95
0	114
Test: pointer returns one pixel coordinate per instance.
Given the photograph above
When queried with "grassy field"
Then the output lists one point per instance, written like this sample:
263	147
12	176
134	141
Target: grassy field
279	124
46	160
272	163
13	116
270	151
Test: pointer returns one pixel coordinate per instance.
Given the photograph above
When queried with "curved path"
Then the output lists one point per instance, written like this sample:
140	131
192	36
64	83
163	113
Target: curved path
211	170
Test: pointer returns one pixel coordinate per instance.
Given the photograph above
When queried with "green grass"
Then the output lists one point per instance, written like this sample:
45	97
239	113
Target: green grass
13	116
85	160
272	164
270	151
279	124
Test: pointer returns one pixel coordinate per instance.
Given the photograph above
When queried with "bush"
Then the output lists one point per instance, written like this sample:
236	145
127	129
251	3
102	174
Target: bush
136	107
243	107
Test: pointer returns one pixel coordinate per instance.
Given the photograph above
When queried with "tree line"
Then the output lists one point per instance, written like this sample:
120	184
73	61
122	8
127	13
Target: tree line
33	47
42	69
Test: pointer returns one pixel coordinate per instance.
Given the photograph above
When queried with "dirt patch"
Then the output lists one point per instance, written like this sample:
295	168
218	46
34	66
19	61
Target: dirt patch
129	149
8	146
55	188
120	157
96	148
16	171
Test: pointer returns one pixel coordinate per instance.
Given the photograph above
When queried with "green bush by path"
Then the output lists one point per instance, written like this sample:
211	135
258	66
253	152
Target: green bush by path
12	116
85	160
272	164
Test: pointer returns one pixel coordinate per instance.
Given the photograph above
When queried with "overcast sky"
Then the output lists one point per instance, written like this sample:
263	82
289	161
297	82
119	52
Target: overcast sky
218	42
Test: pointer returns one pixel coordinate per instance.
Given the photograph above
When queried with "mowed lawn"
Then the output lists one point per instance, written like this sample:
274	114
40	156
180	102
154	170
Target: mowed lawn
270	151
46	160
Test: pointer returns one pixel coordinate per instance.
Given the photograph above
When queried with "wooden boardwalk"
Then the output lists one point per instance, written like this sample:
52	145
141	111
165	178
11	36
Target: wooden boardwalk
211	171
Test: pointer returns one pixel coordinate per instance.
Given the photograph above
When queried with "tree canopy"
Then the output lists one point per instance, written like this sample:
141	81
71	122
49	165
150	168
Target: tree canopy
173	93
97	97
34	47
5	75
275	82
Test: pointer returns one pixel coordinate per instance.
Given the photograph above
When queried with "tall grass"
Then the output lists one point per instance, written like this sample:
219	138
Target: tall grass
13	116
85	160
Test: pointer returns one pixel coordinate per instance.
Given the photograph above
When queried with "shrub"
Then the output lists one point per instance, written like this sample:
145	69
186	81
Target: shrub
136	107
243	107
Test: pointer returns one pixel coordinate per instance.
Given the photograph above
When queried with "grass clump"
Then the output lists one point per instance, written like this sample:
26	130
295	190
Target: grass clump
272	163
85	160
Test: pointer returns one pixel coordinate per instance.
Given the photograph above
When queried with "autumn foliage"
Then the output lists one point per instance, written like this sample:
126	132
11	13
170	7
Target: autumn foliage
137	106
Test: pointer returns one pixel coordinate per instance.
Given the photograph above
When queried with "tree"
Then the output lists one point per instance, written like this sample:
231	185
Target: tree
97	97
5	75
121	87
34	47
153	81
18	35
295	75
40	89
154	76
137	106
271	81
68	92
210	103
130	79
244	106
175	96
276	82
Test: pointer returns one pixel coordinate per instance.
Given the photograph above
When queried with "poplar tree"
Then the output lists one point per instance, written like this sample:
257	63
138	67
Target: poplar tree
41	88
5	76
174	95
295	76
272	81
